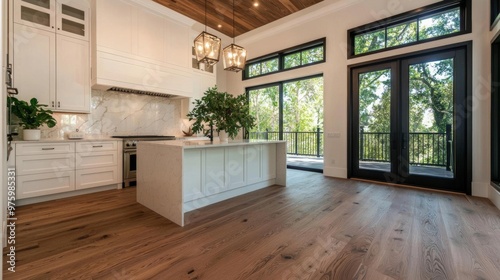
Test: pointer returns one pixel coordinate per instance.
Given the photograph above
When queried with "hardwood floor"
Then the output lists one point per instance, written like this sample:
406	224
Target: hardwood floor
316	228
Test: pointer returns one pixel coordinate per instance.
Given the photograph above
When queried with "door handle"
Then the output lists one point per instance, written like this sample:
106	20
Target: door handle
403	141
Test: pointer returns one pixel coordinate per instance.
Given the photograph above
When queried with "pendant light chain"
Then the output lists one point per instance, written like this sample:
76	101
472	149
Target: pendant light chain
233	21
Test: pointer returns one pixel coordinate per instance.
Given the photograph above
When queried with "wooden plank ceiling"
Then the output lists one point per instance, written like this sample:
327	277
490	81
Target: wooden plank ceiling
248	14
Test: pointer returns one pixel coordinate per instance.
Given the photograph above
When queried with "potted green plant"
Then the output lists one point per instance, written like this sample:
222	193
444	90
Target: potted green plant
31	116
223	112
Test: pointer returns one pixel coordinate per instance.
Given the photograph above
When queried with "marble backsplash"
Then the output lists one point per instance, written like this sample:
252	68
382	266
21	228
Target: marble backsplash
116	113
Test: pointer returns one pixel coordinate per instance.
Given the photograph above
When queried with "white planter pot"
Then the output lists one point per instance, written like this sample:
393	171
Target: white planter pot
223	136
31	134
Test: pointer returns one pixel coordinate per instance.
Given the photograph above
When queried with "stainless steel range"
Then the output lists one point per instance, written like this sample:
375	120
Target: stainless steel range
130	155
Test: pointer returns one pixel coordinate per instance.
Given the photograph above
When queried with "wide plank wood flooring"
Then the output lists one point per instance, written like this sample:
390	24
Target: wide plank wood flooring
316	228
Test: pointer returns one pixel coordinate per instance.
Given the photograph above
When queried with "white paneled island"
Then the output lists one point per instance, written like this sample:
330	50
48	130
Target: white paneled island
176	177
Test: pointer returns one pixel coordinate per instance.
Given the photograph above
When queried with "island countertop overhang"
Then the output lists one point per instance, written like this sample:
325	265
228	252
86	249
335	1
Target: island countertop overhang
187	144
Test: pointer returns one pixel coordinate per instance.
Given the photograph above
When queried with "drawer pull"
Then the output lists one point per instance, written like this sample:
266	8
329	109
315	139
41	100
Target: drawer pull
47	149
100	146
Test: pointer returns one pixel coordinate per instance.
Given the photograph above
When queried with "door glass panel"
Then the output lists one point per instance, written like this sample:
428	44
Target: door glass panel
375	120
73	12
35	16
264	106
430	139
73	27
40	3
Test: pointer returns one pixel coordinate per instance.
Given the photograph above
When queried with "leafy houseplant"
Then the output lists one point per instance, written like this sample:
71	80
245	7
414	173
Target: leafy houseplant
222	111
31	115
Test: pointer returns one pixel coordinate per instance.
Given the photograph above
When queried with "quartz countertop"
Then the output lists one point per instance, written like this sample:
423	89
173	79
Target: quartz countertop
55	140
207	143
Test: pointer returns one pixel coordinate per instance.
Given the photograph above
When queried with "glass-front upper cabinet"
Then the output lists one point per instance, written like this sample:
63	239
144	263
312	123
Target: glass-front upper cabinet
35	13
73	17
67	17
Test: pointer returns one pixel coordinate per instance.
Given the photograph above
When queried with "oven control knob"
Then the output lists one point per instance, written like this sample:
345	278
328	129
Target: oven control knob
127	144
134	143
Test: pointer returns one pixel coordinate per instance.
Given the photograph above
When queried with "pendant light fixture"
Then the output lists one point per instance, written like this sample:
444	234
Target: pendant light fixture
234	56
207	46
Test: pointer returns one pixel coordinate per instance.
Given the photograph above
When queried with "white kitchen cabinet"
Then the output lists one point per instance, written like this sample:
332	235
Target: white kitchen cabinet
35	13
192	170
34	63
44	169
73	75
97	164
58	167
66	17
73	18
51	53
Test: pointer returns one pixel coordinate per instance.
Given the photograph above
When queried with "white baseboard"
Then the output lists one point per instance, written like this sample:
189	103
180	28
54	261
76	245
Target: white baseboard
495	196
335	172
480	189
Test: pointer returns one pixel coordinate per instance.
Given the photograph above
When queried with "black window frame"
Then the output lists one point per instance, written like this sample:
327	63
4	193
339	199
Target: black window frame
495	12
495	113
414	15
281	58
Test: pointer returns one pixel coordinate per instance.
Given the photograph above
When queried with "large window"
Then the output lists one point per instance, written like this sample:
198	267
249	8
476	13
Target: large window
444	19
298	56
292	111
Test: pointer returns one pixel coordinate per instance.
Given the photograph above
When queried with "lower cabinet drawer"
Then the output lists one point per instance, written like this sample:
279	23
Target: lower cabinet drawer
96	177
44	184
40	164
96	159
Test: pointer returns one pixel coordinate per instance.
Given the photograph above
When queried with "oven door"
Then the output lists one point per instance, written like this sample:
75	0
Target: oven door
129	164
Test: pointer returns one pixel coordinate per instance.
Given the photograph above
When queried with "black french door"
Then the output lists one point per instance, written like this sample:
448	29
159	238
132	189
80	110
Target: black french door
409	121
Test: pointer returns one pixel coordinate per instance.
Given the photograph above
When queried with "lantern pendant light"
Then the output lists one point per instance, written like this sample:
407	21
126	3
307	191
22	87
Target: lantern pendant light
234	56
207	46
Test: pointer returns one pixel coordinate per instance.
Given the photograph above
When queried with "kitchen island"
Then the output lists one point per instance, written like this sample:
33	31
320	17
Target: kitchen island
176	177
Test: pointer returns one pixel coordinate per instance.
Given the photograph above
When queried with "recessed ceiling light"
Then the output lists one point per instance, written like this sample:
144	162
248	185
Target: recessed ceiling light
219	26
255	4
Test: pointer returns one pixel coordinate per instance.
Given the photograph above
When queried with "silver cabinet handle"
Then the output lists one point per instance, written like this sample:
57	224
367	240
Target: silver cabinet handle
53	105
47	149
100	146
58	104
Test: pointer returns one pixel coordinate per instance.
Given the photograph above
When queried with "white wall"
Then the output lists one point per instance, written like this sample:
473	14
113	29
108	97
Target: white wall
332	19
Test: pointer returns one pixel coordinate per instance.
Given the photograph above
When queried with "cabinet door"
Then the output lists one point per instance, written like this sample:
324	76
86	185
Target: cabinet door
73	75
73	17
35	13
34	63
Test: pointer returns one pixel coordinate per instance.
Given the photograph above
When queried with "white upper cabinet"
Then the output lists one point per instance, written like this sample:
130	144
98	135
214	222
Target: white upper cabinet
73	75
34	63
73	18
35	13
51	53
66	17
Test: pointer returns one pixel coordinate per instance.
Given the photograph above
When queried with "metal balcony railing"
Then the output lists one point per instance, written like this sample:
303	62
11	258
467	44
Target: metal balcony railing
299	143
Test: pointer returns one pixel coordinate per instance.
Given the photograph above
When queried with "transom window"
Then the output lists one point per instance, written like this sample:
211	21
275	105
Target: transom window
298	56
495	11
436	21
